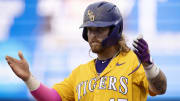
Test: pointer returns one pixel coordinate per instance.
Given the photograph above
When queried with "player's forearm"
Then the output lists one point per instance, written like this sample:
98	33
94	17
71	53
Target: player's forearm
32	83
40	92
157	80
44	93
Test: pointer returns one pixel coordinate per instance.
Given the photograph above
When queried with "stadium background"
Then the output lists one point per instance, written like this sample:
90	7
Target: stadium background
47	32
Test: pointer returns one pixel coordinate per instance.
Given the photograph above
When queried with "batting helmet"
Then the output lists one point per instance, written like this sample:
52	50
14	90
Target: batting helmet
103	14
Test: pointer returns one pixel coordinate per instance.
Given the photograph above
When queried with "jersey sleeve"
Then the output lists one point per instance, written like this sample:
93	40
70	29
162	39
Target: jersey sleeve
65	88
139	77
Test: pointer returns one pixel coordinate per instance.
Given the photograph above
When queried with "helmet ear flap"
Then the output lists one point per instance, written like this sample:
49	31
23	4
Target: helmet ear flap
115	35
121	27
85	37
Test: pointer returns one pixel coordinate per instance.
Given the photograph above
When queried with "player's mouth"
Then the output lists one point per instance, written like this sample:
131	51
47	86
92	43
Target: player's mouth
95	43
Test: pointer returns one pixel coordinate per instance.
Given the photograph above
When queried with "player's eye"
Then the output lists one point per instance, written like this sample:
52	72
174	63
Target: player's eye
100	30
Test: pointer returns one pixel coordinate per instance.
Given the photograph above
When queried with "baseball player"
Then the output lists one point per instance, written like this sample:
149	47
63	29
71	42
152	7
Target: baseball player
117	74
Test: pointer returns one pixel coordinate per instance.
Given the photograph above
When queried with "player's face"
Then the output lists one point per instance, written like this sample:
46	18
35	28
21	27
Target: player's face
95	37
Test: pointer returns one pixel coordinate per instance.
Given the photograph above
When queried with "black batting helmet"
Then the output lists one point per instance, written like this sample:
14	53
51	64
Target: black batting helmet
103	14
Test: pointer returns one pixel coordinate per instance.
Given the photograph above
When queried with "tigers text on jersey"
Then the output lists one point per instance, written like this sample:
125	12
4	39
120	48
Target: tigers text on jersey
115	83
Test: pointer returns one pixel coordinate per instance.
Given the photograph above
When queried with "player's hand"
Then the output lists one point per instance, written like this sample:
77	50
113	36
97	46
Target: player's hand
142	51
19	67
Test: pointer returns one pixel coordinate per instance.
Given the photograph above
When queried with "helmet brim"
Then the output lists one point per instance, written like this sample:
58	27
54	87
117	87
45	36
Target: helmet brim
97	24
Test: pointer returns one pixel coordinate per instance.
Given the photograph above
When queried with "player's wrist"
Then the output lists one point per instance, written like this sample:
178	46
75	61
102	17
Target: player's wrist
32	83
25	77
152	71
147	64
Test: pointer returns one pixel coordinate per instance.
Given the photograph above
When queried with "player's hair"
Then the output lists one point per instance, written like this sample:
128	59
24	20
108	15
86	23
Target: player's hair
124	49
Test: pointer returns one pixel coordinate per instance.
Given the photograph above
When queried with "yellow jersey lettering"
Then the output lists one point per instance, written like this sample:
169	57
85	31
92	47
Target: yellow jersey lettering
85	84
112	81
78	90
90	84
123	81
102	84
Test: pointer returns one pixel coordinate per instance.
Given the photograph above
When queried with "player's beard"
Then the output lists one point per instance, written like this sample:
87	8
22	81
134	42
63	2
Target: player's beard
96	47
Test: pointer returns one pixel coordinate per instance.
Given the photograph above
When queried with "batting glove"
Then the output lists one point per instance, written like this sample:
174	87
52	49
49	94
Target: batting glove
142	50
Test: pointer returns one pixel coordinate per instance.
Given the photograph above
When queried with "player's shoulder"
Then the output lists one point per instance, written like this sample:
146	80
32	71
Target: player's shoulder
130	58
130	55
